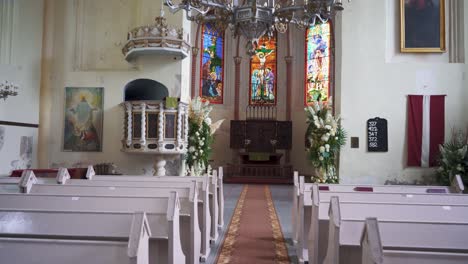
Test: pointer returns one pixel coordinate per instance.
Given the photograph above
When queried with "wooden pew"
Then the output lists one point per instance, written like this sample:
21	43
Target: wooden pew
324	231
165	230
215	190
126	188
59	237
305	203
375	236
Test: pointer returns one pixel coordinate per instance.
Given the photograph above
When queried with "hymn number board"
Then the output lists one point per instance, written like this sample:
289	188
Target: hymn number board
377	136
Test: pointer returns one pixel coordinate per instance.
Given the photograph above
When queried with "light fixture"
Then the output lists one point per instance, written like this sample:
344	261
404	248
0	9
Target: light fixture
256	18
8	89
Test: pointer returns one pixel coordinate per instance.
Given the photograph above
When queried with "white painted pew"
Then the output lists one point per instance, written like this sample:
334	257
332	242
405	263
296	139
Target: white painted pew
190	229
305	203
164	230
216	174
373	245
457	187
294	209
430	213
215	190
125	188
59	237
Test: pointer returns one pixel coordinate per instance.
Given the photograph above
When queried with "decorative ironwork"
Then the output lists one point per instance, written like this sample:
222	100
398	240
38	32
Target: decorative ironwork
256	18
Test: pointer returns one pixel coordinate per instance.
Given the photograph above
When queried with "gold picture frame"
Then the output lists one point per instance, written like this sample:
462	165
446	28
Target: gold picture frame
422	26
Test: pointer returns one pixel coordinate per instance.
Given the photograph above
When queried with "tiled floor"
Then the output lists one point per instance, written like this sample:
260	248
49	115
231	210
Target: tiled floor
282	196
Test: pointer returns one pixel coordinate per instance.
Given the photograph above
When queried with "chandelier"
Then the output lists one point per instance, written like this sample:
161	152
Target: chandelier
8	89
256	18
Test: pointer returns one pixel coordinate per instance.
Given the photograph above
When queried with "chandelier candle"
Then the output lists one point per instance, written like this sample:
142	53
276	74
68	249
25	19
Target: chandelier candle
257	18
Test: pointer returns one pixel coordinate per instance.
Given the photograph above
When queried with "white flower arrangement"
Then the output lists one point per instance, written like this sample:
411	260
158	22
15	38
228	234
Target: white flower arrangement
201	131
325	137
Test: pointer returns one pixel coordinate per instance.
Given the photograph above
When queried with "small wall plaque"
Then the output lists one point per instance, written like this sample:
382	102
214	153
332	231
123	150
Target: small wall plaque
377	135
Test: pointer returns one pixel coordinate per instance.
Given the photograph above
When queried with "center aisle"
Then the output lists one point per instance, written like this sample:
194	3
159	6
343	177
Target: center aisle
254	234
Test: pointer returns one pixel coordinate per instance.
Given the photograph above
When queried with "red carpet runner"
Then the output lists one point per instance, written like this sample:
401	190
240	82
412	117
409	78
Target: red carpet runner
254	234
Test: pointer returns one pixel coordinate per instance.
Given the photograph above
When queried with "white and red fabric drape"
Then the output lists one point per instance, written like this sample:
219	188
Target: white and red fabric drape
426	129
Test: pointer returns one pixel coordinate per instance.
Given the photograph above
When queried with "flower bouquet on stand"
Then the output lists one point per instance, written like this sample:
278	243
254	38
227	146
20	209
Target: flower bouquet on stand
324	138
200	137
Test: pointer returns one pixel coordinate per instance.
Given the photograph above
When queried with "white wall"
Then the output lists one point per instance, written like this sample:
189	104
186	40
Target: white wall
88	37
20	62
372	79
375	80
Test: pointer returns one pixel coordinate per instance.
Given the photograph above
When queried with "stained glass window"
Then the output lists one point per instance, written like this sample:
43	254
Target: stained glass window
263	73
212	65
318	42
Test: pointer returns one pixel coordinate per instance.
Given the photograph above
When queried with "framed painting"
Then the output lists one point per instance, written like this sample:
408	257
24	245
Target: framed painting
422	26
83	119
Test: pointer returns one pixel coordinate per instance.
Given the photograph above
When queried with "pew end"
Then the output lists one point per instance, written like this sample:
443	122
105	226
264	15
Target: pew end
294	206
62	176
138	243
173	217
457	184
371	243
26	181
220	198
90	173
334	225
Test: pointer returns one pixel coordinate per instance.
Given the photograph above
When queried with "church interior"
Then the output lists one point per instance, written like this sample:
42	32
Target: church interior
254	131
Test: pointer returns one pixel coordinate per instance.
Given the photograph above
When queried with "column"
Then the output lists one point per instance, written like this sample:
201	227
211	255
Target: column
128	108
143	125
194	70
289	60
237	61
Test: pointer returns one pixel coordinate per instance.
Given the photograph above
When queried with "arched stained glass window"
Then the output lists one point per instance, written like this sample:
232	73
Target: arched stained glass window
212	65
263	73
318	63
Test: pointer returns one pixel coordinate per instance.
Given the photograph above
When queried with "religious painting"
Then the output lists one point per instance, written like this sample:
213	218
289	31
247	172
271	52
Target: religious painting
83	119
317	70
422	25
212	65
263	73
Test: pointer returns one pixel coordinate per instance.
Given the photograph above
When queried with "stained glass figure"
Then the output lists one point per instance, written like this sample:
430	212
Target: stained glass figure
212	65
318	41
263	73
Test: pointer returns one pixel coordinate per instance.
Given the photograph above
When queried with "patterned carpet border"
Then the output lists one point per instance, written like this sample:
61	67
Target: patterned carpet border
281	252
228	244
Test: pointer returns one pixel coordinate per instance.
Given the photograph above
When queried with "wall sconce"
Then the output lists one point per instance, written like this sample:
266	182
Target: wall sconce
8	89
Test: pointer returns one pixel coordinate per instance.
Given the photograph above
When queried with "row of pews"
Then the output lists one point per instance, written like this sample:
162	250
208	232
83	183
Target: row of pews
109	219
386	224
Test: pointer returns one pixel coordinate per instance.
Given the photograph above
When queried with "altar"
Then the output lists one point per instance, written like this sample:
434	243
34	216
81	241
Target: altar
261	143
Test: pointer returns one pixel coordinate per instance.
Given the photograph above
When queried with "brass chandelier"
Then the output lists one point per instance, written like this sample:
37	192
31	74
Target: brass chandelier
256	18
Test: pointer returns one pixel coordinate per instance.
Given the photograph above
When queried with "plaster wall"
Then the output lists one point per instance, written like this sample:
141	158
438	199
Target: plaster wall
20	62
88	37
373	79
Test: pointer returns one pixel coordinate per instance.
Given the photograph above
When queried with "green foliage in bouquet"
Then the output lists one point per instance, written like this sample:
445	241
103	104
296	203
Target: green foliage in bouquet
200	136
325	138
453	158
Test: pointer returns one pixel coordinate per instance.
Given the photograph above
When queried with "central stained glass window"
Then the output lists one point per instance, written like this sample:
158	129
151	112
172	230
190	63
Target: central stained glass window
263	73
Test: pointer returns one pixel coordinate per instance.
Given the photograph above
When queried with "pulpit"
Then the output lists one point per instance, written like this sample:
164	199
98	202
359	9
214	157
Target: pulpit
259	141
